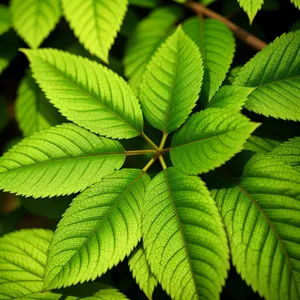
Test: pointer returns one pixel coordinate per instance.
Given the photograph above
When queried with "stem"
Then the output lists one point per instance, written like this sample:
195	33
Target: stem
139	152
149	141
163	141
150	163
240	33
162	162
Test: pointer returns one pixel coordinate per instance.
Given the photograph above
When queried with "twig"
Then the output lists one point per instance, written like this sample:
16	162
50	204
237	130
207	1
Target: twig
239	32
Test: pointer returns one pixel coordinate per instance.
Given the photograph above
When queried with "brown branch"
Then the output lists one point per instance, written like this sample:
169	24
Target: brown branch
239	32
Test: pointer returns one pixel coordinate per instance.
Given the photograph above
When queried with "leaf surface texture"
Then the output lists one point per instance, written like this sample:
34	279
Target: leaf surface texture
33	110
208	139
261	213
87	93
183	236
275	74
35	19
96	23
147	37
58	161
172	82
100	228
217	46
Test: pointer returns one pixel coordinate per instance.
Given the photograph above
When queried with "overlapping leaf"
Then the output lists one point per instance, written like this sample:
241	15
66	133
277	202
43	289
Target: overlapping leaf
33	110
289	152
140	269
217	46
251	7
296	3
23	256
87	93
261	144
145	40
58	161
208	139
230	97
261	212
5	21
172	83
35	19
275	74
183	236
100	228
96	23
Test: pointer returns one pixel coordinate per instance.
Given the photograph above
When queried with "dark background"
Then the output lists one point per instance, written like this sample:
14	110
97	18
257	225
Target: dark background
274	19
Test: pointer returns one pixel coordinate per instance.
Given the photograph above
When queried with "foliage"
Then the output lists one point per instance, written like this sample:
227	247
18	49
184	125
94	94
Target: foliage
92	143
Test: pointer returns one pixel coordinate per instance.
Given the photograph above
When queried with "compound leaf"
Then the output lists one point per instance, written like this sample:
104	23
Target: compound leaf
35	19
172	82
230	97
275	74
23	256
147	37
183	236
33	110
5	21
217	46
289	152
208	139
100	228
58	161
140	270
96	23
261	212
251	7
87	93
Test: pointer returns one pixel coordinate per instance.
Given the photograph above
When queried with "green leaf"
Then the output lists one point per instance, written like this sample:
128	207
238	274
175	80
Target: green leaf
183	236
35	19
52	208
261	144
208	139
7	53
230	97
147	37
5	21
296	3
33	110
140	269
99	229
261	212
289	152
58	161
87	93
172	82
275	74
95	23
251	7
145	3
217	46
23	257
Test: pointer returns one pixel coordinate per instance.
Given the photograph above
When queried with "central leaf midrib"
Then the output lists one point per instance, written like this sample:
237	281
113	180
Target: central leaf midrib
181	232
60	160
98	102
